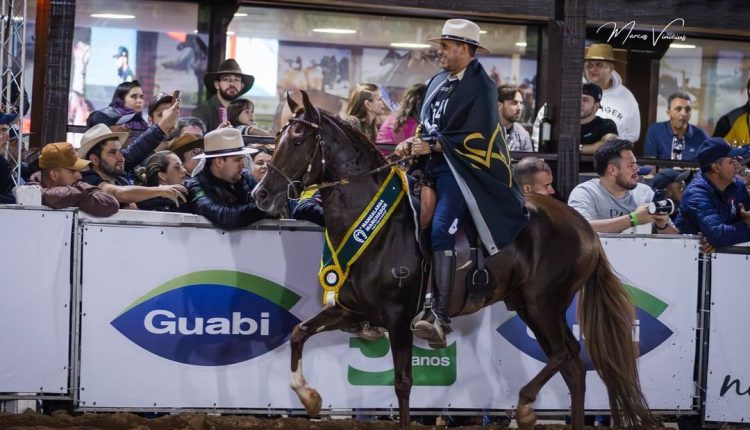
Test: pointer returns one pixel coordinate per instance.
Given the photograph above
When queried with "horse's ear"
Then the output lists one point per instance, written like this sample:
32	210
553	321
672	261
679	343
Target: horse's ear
306	102
290	101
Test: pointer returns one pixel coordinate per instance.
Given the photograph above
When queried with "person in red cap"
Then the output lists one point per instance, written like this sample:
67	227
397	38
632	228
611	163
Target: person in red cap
61	182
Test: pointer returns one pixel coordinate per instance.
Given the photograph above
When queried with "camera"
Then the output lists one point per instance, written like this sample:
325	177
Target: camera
661	207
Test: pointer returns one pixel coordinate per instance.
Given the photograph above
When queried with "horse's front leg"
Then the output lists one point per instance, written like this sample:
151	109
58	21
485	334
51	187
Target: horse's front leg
401	349
327	319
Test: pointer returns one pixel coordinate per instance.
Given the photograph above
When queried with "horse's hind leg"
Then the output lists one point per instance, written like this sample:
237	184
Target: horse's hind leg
553	336
327	319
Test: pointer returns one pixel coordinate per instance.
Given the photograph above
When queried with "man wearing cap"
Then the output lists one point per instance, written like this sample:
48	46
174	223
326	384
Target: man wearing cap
670	184
716	202
124	72
534	176
676	138
617	103
510	107
187	147
595	130
102	147
735	125
469	162
221	191
158	104
616	202
224	85
61	182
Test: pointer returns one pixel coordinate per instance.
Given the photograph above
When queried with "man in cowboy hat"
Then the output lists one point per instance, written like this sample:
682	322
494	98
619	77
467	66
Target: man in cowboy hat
224	85
102	147
62	186
617	103
221	190
187	147
468	161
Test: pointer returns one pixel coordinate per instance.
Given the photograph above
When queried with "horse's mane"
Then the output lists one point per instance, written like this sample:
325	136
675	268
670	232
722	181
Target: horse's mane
354	135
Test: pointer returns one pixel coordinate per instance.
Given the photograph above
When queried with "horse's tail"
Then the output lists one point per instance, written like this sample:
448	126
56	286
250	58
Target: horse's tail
607	318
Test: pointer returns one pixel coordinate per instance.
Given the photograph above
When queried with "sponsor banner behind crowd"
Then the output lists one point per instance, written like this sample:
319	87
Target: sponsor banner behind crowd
728	382
195	317
35	278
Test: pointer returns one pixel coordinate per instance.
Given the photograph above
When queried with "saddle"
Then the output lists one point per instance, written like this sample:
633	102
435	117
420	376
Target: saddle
472	288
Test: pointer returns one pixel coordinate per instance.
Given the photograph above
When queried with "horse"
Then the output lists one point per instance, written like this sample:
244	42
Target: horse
552	258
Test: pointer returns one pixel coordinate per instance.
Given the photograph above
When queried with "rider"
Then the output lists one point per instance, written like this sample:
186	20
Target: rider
469	163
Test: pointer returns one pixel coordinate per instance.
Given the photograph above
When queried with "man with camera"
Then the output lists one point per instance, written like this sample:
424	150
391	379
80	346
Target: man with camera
616	202
715	202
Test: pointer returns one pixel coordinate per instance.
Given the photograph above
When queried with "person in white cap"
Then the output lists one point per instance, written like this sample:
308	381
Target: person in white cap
469	163
221	191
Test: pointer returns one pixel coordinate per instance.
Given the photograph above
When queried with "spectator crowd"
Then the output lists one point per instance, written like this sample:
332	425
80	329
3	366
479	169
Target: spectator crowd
200	164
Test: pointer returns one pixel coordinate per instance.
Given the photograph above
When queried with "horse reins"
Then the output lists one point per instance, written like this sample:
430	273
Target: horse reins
319	142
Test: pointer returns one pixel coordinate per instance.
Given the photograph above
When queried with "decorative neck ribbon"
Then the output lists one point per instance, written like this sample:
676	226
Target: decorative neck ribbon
335	265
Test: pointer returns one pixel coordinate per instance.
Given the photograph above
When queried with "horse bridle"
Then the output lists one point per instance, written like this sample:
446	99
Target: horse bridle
319	142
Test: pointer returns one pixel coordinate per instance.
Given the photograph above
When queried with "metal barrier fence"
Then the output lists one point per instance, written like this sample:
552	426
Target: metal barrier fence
149	311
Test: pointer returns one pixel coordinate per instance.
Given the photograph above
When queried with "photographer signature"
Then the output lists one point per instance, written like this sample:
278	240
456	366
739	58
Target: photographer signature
655	38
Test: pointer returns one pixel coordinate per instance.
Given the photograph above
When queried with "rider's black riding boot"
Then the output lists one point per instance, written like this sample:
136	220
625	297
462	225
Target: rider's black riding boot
433	326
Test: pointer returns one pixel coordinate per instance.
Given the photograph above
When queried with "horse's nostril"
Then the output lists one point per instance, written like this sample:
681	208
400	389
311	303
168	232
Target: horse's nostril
260	194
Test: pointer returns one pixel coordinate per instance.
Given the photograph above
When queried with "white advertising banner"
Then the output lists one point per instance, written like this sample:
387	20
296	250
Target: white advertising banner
199	318
728	381
35	263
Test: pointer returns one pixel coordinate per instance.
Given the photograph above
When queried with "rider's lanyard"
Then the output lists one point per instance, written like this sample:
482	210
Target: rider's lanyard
334	265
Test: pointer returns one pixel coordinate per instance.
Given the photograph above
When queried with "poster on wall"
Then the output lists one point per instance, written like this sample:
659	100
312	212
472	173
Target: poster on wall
395	70
181	61
325	69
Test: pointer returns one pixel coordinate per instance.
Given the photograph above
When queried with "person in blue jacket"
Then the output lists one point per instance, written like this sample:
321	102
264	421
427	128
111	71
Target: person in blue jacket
716	202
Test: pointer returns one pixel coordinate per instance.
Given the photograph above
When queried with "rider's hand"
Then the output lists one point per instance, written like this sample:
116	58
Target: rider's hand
404	148
420	147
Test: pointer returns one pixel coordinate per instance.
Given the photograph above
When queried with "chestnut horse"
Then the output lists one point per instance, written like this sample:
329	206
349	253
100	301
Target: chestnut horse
537	275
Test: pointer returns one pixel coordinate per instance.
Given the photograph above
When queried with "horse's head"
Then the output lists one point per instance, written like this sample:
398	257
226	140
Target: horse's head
297	160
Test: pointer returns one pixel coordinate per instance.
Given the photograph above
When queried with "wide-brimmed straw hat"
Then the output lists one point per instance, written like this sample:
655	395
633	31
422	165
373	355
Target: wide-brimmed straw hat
96	134
224	142
601	52
461	30
228	67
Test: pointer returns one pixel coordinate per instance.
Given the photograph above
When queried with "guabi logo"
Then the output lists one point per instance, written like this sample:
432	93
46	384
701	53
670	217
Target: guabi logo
430	367
211	318
649	332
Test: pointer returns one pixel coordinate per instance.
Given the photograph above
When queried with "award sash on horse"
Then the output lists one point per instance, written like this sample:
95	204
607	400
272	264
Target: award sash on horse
334	265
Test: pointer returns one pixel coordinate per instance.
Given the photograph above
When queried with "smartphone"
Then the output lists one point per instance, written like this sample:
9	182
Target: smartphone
222	114
176	96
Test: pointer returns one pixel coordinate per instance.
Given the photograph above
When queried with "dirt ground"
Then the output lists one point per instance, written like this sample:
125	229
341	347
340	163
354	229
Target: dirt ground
30	420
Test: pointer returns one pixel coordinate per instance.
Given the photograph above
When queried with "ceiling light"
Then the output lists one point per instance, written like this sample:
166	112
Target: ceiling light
334	30
112	16
410	45
521	44
681	46
482	31
240	14
230	33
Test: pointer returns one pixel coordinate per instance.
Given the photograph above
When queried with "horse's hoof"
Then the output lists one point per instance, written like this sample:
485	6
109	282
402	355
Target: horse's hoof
525	417
313	402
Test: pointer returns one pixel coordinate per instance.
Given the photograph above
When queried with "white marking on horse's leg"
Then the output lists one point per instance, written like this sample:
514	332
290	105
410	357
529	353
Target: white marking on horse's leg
308	396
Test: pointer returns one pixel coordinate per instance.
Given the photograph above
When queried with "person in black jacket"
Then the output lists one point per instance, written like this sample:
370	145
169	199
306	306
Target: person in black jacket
221	190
